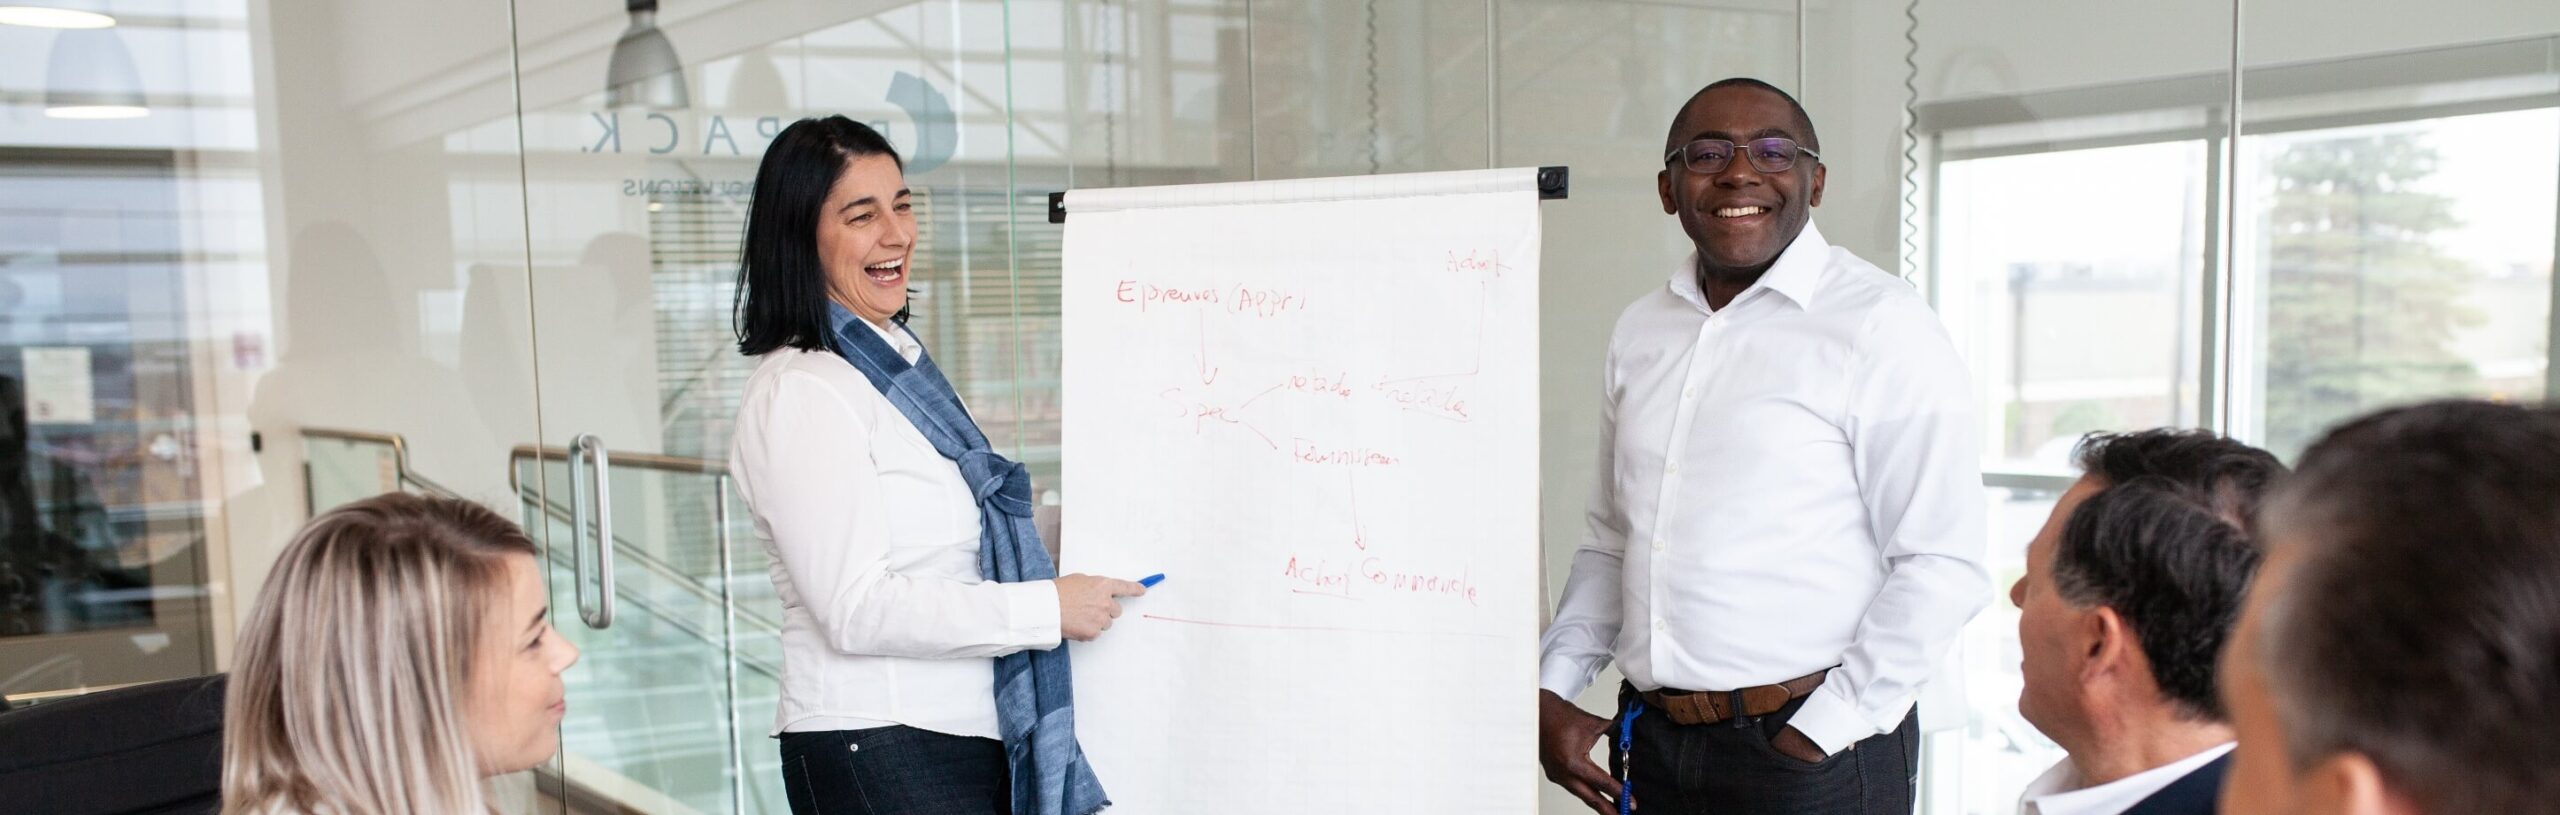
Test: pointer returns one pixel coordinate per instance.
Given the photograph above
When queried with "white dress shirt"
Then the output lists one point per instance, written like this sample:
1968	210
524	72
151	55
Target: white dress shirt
873	538
2060	791
1788	484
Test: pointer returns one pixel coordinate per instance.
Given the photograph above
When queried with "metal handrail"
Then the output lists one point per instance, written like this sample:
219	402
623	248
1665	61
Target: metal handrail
729	611
669	575
660	463
399	455
647	461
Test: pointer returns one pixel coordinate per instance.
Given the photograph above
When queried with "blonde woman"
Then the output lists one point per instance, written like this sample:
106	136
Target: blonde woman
399	654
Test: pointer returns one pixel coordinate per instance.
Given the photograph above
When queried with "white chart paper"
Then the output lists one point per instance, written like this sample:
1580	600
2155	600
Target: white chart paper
1312	405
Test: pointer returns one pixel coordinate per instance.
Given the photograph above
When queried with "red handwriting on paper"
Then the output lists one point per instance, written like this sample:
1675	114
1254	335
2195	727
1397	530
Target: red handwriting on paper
1240	300
1337	385
1202	413
1258	397
1359	531
1323	577
1147	295
1330	629
1255	302
1424	396
1460	586
1208	373
1475	262
1319	576
1308	452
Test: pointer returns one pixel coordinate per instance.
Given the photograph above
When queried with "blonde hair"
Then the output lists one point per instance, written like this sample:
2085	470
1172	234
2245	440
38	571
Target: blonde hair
348	684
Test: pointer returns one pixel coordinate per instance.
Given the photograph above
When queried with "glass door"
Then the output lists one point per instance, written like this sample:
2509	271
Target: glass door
256	260
639	164
387	343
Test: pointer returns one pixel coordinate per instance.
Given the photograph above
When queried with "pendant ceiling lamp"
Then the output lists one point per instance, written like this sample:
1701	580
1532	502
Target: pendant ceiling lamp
756	85
53	17
91	76
644	71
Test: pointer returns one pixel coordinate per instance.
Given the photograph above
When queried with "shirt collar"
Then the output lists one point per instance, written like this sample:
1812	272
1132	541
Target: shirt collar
898	339
2060	790
1796	276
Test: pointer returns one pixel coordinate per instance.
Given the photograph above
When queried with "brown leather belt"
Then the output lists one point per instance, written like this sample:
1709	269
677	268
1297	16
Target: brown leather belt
1709	707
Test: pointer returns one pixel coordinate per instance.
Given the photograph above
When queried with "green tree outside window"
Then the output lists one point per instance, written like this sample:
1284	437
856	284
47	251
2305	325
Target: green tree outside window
2362	307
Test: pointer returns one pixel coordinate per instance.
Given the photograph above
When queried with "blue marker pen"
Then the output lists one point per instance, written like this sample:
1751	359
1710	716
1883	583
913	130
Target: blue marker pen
1150	581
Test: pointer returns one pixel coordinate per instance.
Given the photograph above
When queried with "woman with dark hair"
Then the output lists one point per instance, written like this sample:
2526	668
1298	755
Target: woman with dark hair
921	618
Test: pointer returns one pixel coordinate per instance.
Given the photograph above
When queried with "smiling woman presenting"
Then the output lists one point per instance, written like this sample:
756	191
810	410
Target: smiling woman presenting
921	621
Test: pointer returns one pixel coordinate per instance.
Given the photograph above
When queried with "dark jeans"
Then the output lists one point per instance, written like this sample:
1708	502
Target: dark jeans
1726	769
893	771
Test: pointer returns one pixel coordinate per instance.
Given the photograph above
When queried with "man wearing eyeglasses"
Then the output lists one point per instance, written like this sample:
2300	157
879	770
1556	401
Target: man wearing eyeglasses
1787	530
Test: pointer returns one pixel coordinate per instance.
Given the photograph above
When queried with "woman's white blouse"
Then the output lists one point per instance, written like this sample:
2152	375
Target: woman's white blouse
873	539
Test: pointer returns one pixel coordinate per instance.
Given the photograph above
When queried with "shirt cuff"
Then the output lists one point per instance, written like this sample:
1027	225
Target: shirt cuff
1031	611
1830	719
1566	676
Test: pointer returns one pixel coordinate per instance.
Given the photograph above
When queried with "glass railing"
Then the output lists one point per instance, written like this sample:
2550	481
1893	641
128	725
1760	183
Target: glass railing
679	685
670	702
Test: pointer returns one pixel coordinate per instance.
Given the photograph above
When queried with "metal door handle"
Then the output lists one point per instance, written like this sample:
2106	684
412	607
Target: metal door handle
597	614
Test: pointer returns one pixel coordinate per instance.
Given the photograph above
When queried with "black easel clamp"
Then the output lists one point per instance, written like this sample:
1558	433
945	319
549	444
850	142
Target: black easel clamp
1552	182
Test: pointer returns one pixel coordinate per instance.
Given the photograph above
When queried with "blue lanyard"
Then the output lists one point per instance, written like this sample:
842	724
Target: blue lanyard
1626	756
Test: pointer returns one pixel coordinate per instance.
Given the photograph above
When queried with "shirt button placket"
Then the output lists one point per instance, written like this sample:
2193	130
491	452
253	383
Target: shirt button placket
1664	495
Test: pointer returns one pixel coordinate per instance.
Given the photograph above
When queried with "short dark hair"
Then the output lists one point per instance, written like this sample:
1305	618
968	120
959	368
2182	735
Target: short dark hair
2420	624
2155	551
781	299
2165	543
1672	140
2234	475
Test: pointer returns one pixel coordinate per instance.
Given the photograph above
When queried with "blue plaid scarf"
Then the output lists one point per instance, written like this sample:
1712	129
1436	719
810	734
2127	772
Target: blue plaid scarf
1035	702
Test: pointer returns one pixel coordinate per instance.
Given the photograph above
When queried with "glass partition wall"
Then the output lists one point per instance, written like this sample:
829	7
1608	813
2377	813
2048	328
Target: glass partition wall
261	257
2245	216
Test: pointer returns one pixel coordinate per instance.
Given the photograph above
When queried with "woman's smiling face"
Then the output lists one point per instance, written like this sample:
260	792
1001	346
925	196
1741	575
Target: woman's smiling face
866	234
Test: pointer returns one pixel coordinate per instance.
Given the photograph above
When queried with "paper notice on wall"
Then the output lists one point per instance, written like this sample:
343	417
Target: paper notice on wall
59	389
1312	405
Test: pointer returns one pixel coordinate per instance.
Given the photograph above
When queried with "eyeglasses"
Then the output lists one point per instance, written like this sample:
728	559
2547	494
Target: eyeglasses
1710	156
